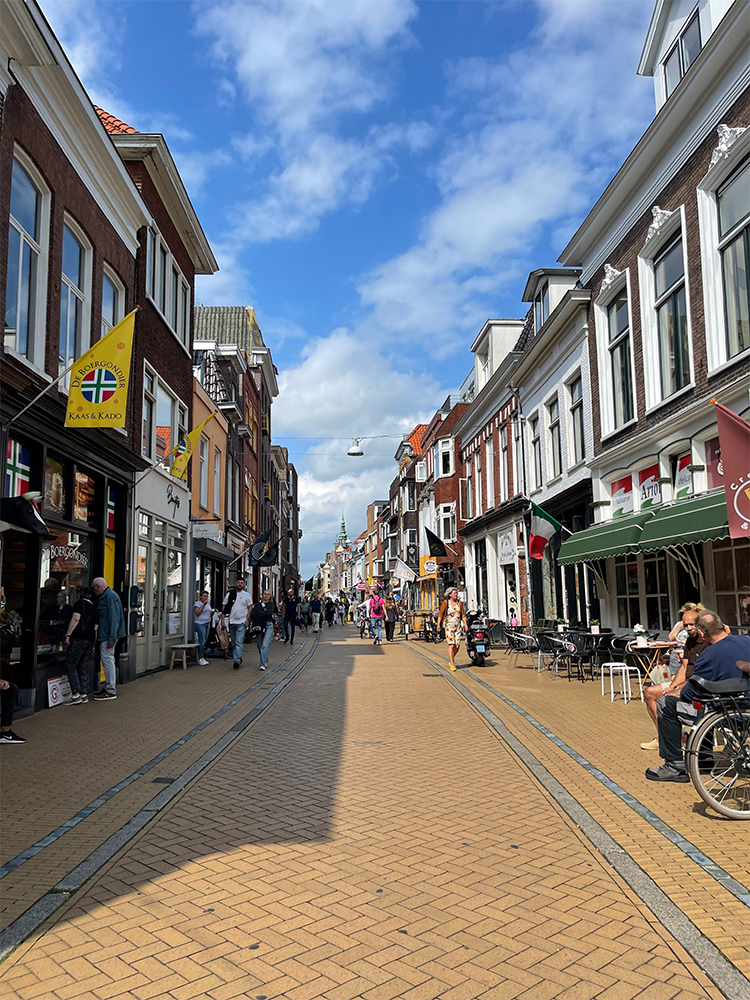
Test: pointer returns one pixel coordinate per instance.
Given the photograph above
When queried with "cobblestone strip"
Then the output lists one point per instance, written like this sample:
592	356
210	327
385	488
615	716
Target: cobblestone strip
14	863
722	971
17	932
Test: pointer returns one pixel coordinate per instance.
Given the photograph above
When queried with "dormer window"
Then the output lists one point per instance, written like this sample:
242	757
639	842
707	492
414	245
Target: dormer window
541	306
683	54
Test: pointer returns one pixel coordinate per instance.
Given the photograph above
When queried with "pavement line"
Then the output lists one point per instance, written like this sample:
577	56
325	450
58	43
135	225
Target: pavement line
15	863
726	976
24	925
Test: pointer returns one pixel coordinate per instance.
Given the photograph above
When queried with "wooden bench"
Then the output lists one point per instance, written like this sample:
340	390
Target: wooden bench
184	648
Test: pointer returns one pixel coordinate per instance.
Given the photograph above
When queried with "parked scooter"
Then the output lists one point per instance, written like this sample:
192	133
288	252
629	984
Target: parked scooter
478	640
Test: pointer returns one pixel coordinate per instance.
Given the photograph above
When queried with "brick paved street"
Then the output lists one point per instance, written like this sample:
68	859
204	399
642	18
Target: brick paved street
369	835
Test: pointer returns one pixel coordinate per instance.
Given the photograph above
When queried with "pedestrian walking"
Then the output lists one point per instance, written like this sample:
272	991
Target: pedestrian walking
452	618
262	617
201	622
236	608
291	604
111	628
304	611
377	615
8	699
79	642
330	612
391	613
315	611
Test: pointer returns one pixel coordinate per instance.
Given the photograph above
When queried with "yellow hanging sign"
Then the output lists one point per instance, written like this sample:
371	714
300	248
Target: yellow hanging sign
99	380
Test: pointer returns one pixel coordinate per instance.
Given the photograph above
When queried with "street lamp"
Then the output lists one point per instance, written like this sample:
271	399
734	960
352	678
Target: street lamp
355	451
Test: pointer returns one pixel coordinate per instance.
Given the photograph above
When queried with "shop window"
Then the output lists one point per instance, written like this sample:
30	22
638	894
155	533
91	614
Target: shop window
732	581
110	508
17	469
714	464
144	525
65	570
628	600
657	594
84	498
160	531
55	487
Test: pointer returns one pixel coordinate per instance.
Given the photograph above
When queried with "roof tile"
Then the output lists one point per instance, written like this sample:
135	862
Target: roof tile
113	125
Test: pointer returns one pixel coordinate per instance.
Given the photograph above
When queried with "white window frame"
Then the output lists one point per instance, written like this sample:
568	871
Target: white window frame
478	483
678	45
36	337
555	473
541	305
156	249
503	463
604	355
469	489
178	428
649	322
489	464
443	511
119	288
576	407
444	446
536	453
420	472
203	472
217	482
83	295
711	267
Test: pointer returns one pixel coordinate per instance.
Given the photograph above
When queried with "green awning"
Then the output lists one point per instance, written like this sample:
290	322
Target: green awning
617	537
697	519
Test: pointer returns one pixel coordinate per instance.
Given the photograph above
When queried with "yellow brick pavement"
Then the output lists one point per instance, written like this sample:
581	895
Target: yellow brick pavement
609	736
75	753
369	836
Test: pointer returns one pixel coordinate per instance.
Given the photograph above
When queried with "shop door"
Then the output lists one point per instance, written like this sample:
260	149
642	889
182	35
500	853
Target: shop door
152	594
159	606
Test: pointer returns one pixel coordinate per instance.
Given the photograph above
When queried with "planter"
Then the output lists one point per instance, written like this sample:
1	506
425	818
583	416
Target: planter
594	629
560	628
641	640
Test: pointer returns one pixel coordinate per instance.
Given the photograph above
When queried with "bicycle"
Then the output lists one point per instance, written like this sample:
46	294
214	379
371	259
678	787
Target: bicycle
717	750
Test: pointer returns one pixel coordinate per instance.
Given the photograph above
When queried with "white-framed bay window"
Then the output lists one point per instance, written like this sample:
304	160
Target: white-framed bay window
75	296
444	457
28	261
113	300
445	521
164	419
724	220
167	287
614	349
665	311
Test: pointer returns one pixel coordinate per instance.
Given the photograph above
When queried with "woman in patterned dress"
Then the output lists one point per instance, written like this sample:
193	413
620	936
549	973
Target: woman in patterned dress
452	617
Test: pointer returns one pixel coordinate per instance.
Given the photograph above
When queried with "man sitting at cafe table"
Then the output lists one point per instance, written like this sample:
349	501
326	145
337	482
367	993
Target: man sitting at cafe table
718	662
655	694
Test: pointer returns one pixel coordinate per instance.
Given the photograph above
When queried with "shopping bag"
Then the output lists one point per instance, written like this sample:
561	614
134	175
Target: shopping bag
222	637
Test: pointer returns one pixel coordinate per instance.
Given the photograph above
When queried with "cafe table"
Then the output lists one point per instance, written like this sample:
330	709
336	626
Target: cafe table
647	656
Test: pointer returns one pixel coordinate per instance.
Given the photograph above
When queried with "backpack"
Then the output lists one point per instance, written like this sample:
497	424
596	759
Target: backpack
229	603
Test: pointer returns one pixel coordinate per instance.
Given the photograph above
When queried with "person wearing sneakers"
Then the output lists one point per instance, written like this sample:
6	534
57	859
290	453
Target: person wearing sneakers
201	621
692	649
376	611
8	696
111	628
237	605
263	615
80	638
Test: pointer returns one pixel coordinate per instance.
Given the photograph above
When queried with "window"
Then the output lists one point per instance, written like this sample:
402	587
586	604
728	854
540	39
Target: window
541	306
628	600
536	453
489	463
26	279
113	302
421	472
504	492
657	593
478	483
577	420
164	419
217	482
411	495
469	490
671	315
731	573
74	291
555	446
618	330
167	287
445	517
149	405
204	473
734	234
682	55
444	457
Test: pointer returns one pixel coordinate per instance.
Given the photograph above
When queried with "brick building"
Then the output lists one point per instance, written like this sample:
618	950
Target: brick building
402	516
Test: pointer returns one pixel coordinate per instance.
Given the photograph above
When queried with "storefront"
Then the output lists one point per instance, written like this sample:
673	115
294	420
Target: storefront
211	560
160	559
496	573
84	505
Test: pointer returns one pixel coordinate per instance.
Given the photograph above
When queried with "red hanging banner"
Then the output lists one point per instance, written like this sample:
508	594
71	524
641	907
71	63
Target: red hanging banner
734	439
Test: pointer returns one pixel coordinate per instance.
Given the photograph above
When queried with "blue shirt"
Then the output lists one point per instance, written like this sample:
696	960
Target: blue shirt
111	618
718	663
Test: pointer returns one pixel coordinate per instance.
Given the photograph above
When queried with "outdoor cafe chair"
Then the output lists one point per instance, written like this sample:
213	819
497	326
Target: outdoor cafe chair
521	644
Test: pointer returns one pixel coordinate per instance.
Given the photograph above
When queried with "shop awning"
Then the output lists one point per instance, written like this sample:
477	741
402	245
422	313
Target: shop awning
618	537
697	519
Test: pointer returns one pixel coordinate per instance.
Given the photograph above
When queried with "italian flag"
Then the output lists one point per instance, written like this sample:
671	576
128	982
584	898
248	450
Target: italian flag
543	527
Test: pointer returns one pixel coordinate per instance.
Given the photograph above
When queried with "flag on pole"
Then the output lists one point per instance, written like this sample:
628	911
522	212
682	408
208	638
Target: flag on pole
734	441
184	449
543	527
435	544
258	548
99	380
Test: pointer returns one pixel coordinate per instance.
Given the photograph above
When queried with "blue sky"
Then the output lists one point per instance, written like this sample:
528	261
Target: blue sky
376	179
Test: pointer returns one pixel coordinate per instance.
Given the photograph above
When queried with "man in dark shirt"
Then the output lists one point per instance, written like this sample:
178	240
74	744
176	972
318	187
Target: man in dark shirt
717	662
291	603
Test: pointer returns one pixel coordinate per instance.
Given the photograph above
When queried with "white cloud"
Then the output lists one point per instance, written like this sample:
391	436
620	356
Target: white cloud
548	125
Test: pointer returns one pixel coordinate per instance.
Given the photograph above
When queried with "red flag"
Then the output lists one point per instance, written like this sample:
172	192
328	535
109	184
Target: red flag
734	441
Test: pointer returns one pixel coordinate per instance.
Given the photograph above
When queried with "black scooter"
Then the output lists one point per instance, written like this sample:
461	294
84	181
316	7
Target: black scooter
478	641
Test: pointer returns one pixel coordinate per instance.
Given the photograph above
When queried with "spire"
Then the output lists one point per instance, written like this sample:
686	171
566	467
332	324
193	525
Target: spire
343	538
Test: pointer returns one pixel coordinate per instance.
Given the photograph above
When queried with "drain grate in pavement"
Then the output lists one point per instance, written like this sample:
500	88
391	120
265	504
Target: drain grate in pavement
162	781
378	743
432	675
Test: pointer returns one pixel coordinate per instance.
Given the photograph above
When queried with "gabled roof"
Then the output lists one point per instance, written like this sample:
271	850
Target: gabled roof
228	325
113	125
415	438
